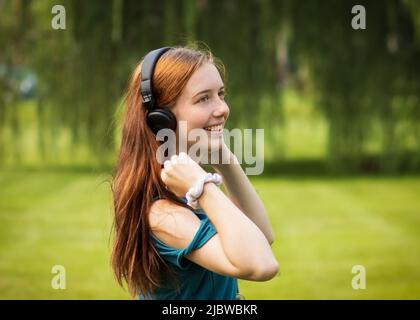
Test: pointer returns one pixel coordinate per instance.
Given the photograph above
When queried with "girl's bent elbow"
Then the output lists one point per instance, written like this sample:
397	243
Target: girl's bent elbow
267	272
270	272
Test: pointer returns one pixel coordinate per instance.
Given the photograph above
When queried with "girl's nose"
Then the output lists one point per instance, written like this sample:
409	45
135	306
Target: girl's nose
222	109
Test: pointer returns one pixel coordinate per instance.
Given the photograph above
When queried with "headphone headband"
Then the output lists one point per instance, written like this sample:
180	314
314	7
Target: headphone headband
147	70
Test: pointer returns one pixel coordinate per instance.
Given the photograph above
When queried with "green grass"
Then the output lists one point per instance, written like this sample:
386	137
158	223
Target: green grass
323	227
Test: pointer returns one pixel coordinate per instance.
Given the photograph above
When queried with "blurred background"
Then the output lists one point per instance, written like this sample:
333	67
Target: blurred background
340	109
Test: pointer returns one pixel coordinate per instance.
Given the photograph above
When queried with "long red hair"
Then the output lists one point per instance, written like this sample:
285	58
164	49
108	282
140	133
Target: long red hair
136	177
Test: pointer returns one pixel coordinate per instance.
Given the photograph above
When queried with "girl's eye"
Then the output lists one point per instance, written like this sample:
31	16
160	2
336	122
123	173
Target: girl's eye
206	97
203	99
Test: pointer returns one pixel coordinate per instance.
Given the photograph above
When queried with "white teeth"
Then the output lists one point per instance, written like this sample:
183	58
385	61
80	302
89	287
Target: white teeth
214	128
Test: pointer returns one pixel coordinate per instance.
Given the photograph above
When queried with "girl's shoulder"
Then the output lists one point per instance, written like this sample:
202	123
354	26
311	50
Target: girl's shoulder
172	223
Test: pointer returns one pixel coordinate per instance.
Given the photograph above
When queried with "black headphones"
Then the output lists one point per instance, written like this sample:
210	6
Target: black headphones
157	118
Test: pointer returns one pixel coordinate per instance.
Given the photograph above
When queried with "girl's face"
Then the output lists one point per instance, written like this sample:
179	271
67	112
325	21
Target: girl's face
202	106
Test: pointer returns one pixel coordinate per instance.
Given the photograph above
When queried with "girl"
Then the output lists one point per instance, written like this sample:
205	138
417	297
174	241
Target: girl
165	248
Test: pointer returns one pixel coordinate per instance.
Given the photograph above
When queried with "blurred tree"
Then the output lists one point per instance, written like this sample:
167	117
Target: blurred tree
361	79
15	24
360	76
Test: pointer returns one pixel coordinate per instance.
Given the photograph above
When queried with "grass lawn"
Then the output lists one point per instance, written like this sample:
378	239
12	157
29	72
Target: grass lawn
324	226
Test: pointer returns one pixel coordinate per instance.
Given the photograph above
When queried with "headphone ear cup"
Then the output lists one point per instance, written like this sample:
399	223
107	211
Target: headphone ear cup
161	119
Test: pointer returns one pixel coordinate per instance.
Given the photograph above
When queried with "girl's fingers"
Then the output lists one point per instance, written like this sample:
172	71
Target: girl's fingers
167	164
174	158
183	157
164	176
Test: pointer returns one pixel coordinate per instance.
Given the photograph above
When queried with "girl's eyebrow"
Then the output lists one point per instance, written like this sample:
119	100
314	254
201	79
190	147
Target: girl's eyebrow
208	90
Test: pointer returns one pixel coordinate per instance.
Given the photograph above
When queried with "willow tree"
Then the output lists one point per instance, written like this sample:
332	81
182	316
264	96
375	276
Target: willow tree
362	79
361	76
15	24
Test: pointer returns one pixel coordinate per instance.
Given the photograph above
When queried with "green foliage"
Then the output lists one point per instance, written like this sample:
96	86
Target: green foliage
360	77
365	83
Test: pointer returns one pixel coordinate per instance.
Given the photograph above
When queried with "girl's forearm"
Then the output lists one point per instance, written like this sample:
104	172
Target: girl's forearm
244	195
243	242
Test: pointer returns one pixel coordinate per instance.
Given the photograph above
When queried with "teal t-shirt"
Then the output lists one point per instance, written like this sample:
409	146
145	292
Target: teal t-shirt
195	282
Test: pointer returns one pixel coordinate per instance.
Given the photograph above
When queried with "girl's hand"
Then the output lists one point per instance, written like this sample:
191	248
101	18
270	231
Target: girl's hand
181	173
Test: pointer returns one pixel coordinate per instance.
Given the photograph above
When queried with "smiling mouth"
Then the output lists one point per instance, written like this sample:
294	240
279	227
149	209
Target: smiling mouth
217	128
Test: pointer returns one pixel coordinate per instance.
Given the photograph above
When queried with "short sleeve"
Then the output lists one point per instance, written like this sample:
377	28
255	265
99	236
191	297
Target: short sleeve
176	256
